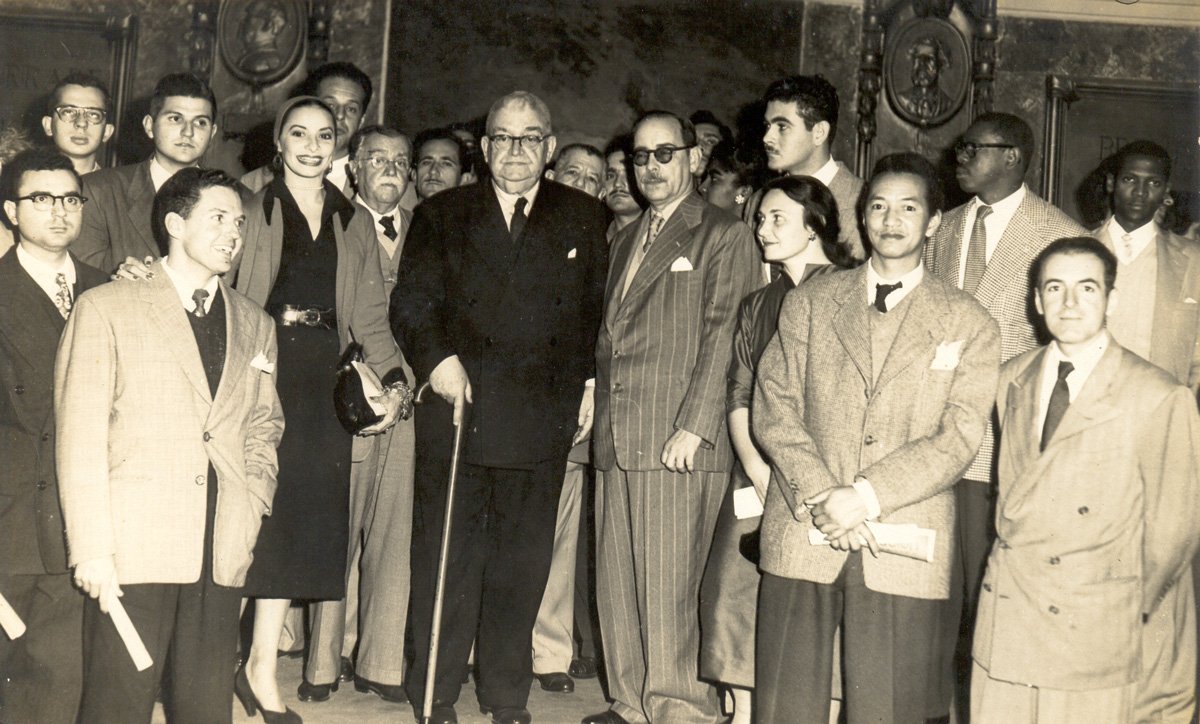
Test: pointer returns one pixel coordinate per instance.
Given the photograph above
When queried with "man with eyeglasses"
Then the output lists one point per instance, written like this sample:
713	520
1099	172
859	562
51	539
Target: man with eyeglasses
985	247
77	119
661	443
374	613
116	222
39	281
497	304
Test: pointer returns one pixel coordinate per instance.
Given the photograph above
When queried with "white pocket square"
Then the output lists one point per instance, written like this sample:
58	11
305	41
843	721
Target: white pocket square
1189	300
681	265
260	362
571	254
947	355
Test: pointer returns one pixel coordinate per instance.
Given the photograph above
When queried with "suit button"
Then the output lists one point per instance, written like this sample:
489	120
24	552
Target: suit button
1054	609
45	436
1083	510
1054	560
616	387
987	587
1004	545
207	436
489	341
616	353
869	440
41	485
19	389
200	480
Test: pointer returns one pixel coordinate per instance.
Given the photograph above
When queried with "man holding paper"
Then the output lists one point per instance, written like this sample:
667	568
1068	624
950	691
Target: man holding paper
870	402
167	425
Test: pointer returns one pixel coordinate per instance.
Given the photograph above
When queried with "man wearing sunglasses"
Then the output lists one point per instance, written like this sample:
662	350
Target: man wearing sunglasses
77	119
497	304
678	275
39	281
985	247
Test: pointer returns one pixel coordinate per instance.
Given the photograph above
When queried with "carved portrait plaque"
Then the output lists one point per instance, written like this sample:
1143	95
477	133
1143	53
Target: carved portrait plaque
927	71
261	41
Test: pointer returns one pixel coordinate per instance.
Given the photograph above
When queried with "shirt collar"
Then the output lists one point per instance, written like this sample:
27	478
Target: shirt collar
1140	238
1003	209
669	210
394	212
185	290
908	282
508	201
826	173
44	274
1084	361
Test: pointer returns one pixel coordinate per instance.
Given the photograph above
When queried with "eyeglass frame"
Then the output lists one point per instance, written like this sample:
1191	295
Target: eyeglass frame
54	198
641	157
969	149
68	110
527	142
402	164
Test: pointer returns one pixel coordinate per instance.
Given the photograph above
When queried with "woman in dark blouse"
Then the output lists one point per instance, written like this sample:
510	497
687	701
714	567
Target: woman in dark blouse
797	227
313	263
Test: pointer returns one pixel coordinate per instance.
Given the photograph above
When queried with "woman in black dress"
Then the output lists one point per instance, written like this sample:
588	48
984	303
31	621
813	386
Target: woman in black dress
313	263
797	227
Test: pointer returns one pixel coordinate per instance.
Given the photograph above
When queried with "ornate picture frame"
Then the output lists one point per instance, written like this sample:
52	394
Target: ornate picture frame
261	41
927	71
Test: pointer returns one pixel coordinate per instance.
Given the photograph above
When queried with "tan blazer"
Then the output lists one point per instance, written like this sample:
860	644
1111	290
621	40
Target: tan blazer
1092	532
138	427
664	345
823	420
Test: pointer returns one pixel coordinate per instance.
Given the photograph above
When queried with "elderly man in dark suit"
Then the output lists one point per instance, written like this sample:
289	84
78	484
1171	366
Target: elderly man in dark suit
677	277
116	221
39	280
497	303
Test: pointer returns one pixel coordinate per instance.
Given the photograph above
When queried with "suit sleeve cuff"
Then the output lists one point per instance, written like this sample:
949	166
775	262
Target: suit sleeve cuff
864	488
590	382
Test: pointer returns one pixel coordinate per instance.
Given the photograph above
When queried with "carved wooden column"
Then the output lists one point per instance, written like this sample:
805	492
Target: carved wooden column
320	16
201	39
984	70
869	73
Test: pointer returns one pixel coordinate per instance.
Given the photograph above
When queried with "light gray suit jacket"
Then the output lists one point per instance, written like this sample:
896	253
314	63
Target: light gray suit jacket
138	427
823	420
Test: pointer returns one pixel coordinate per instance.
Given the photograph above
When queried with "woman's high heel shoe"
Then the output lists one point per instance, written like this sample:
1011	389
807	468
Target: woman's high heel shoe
245	694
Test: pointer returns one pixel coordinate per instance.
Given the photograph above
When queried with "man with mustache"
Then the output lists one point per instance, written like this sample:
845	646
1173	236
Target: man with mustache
622	200
374	613
116	219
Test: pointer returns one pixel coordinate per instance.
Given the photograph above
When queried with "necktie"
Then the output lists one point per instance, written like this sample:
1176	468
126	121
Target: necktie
976	251
198	297
656	225
1060	400
881	292
1127	246
518	219
389	227
62	299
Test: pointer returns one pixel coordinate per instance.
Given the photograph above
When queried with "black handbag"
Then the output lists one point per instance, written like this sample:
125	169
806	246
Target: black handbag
352	385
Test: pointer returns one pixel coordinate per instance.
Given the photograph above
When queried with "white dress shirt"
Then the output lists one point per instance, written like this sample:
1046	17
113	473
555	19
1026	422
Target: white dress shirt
994	225
1084	361
389	245
158	174
339	172
908	282
508	202
186	290
1139	239
826	173
43	274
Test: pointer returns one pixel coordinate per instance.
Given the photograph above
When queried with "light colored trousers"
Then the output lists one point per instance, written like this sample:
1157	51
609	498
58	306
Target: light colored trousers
553	632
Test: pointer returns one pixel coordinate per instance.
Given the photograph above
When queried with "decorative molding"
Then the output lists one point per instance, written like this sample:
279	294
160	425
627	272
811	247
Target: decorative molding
201	39
320	18
869	83
1138	12
984	69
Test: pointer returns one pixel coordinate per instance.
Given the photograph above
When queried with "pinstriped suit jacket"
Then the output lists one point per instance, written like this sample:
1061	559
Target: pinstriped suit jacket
823	419
664	347
1005	289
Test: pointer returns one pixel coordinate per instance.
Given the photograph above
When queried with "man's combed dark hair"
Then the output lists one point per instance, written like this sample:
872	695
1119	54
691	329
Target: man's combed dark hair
1077	245
440	134
687	130
816	99
710	118
1011	129
35	159
1142	147
181	84
338	69
912	164
86	80
181	193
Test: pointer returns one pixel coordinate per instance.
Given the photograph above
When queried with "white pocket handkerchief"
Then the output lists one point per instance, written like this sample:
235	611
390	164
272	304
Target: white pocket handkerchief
947	355
260	362
681	265
1189	300
571	254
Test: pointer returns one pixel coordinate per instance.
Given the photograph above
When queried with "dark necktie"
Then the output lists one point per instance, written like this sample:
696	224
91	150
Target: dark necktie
976	251
881	292
389	227
518	219
1060	400
198	297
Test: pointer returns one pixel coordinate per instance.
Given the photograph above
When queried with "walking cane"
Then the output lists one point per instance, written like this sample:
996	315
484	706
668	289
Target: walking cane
440	589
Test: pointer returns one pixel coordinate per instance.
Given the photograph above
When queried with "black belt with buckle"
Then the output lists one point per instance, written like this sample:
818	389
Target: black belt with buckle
290	315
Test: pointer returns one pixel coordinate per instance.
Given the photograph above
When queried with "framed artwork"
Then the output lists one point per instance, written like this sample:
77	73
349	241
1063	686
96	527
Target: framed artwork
927	71
261	41
41	48
1088	119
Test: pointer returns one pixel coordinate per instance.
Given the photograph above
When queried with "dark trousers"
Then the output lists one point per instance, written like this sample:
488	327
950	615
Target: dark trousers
501	543
585	570
887	649
41	673
190	630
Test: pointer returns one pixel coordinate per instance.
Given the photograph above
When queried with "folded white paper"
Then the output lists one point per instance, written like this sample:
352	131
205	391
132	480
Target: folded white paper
372	387
901	539
12	624
129	635
746	503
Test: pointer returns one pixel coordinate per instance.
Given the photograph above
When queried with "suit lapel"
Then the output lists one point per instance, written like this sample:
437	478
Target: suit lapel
1093	405
946	255
921	325
670	244
1010	256
622	248
27	315
851	324
141	201
239	346
488	233
1019	430
167	313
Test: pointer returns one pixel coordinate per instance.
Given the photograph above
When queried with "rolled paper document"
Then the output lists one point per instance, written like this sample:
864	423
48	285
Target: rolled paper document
129	635
902	539
12	624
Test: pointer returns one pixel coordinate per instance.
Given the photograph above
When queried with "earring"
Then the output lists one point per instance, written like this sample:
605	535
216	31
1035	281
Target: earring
739	198
812	237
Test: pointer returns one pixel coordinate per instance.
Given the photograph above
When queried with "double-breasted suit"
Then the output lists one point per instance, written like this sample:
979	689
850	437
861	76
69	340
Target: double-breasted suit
521	315
1094	531
661	361
42	671
116	218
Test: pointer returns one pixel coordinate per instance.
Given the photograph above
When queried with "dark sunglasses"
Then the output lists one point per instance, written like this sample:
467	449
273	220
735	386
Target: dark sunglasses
662	154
